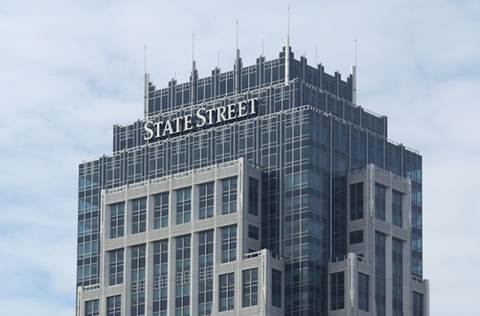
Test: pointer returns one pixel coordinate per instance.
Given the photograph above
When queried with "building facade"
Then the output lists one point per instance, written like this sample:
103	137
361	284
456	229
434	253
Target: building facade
264	190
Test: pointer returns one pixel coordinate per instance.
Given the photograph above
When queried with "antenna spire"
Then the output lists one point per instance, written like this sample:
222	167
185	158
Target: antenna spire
354	76
193	93
287	52
238	63
355	51
145	84
288	31
236	35
145	60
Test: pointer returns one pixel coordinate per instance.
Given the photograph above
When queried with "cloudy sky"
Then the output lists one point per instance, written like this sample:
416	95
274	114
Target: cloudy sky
70	70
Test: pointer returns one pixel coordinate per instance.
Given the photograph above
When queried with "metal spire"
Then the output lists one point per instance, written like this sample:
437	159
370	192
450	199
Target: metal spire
193	46
237	61
145	84
287	52
288	31
145	60
193	90
354	76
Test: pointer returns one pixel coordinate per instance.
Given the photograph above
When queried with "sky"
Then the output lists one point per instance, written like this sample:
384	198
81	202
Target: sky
70	70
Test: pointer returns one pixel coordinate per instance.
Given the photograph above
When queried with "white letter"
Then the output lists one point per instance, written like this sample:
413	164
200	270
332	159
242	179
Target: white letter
210	118
252	105
149	130
168	127
157	126
221	114
201	117
177	121
187	119
242	109
231	111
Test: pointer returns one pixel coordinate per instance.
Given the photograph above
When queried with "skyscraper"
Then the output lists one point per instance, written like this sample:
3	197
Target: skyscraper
264	190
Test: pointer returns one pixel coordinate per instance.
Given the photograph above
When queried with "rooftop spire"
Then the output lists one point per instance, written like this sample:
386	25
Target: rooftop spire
287	51
355	51
354	76
145	85
288	25
238	63
193	90
193	46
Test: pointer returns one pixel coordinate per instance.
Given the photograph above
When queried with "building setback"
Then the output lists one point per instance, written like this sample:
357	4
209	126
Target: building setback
264	190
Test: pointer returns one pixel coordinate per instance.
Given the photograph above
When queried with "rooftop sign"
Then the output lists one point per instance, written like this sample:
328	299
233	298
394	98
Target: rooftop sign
203	118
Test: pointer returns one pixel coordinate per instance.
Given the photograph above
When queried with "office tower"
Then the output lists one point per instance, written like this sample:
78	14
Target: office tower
264	190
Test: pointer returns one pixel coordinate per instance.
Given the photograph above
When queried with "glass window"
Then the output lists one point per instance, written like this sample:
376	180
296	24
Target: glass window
396	209
116	267
184	203
88	226
380	273
229	196
139	215
161	210
87	249
375	153
227	292
160	278
182	270
138	280
363	292
253	232
253	196
356	201
206	200
87	274
417	304
379	202
229	243
337	290
91	308
250	287
117	220
277	288
114	305
205	273
356	237
397	268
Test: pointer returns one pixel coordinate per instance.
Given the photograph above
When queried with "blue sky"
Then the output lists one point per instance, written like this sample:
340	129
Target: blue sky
70	70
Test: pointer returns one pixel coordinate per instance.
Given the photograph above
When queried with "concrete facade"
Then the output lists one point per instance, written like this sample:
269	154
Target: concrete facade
249	253
361	256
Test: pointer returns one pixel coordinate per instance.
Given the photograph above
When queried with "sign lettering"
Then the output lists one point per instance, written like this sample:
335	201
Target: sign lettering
202	118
